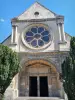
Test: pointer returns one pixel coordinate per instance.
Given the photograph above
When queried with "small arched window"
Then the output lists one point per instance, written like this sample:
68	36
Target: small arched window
36	13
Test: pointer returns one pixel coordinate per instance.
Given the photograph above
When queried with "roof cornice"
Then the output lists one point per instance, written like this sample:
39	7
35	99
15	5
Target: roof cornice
37	20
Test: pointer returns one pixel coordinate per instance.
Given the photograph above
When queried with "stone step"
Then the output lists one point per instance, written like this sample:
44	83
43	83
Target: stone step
38	98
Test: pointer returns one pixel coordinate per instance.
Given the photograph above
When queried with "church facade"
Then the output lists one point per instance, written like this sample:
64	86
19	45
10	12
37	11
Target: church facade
39	39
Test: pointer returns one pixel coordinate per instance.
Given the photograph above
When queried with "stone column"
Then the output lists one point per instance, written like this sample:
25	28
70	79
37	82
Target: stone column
61	90
60	25
49	86
14	34
62	93
59	30
27	86
63	33
38	86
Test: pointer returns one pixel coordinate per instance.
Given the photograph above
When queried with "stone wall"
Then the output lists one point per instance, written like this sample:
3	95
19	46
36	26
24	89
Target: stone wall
51	59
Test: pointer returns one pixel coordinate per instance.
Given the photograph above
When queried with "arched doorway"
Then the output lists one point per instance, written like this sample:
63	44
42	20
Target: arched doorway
39	78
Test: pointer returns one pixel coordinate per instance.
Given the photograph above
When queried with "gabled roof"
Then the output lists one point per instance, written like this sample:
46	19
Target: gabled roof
30	13
6	39
46	8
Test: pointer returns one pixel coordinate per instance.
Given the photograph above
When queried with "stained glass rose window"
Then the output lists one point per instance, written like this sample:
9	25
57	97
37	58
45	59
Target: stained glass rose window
37	36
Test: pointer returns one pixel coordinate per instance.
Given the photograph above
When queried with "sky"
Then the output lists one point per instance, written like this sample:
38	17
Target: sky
12	8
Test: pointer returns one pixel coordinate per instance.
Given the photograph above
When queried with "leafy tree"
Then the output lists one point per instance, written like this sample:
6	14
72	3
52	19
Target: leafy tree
68	71
9	67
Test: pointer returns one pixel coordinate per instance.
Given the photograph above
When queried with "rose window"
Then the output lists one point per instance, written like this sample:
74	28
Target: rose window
37	36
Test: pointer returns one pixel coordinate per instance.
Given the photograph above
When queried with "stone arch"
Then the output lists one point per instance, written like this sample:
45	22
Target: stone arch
41	62
24	61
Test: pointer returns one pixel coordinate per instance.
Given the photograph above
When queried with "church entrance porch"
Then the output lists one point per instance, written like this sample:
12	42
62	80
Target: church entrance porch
39	79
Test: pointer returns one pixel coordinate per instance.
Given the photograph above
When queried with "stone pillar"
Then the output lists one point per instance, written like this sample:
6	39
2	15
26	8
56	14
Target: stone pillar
14	34
61	90
59	30
62	95
60	25
63	33
49	86
27	86
38	86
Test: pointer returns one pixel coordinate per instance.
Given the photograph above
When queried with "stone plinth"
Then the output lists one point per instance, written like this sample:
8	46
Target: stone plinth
38	98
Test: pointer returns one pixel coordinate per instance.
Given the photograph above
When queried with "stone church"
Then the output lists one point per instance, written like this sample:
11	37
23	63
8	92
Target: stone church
39	39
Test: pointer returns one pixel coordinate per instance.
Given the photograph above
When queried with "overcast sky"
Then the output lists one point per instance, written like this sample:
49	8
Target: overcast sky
13	8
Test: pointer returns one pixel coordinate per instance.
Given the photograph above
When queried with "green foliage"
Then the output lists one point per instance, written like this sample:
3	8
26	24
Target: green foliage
9	67
68	71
